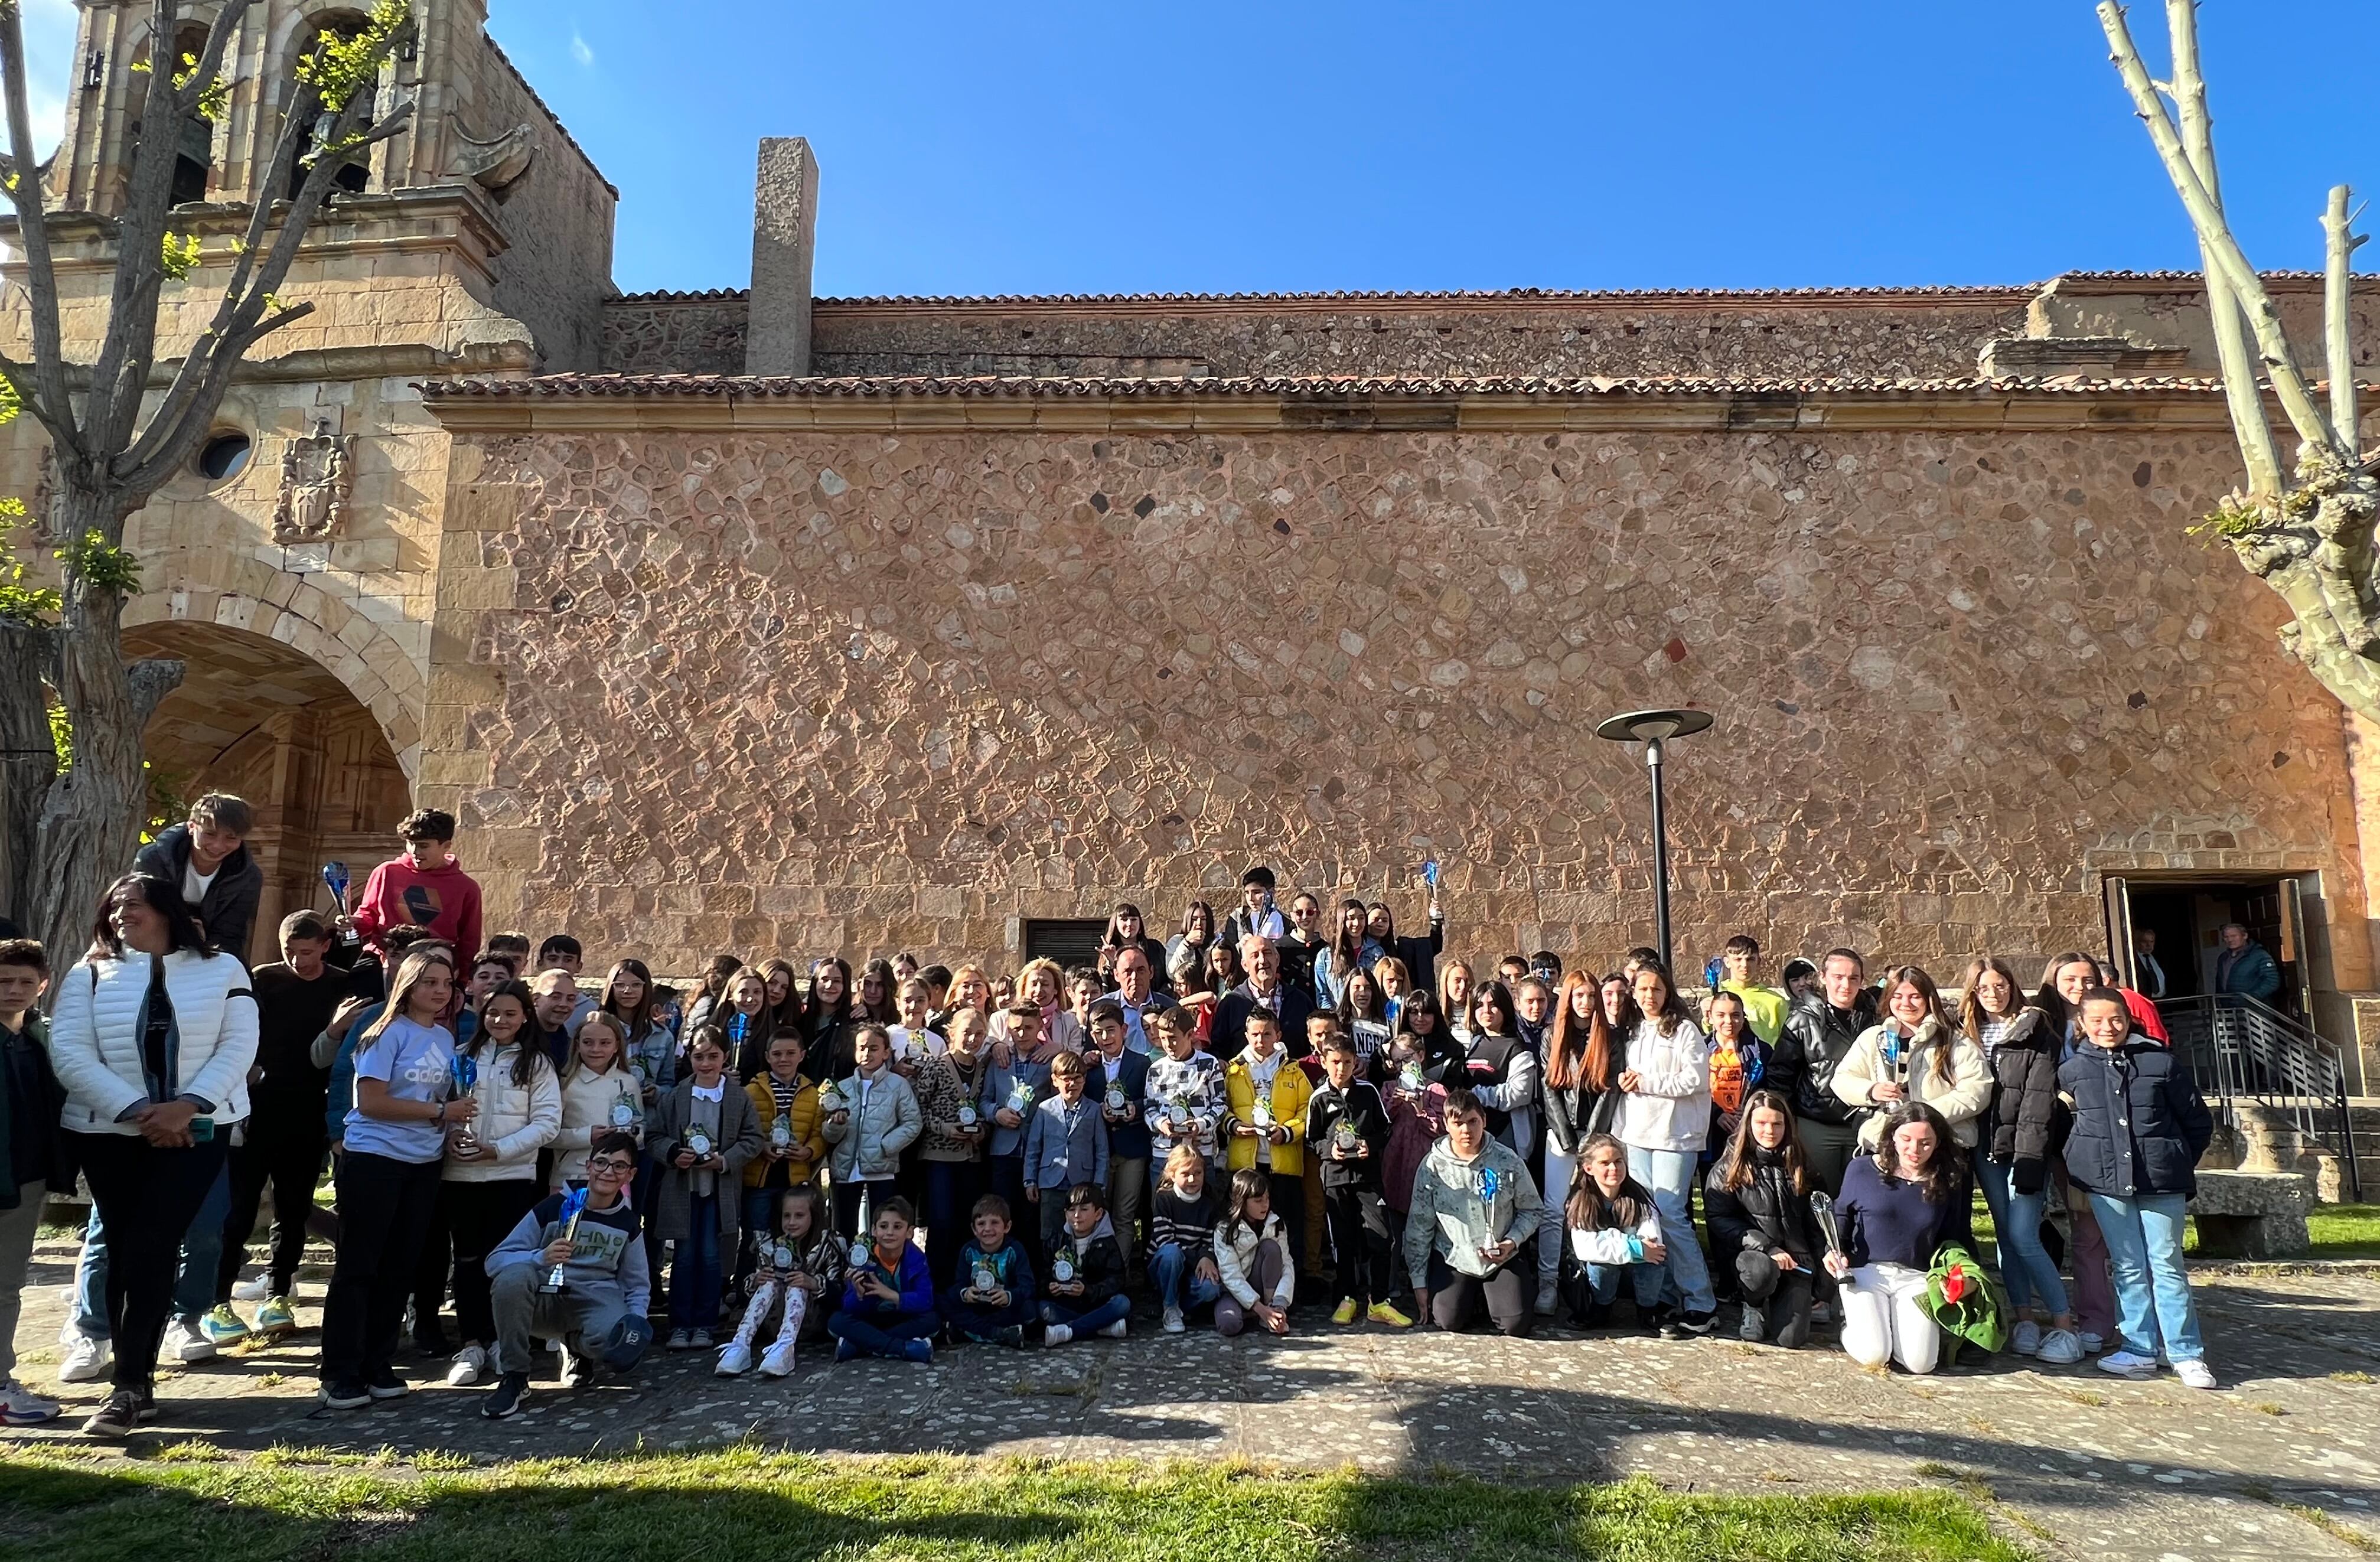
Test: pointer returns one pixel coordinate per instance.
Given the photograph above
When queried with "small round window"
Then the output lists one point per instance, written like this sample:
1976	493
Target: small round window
225	455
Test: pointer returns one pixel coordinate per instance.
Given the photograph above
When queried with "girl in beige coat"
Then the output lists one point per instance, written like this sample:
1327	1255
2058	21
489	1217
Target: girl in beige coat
1915	1055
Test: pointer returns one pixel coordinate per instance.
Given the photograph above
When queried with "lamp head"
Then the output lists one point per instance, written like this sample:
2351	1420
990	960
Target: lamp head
1653	726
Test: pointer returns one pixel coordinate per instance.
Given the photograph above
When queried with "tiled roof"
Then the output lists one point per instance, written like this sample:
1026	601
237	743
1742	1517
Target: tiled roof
675	295
1313	387
1461	295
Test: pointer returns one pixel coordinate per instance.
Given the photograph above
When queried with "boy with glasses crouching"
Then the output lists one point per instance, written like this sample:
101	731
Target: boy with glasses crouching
590	1238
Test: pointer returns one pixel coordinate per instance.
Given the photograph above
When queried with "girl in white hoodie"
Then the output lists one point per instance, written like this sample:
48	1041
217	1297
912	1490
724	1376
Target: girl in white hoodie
1664	1119
599	1094
491	1178
1613	1230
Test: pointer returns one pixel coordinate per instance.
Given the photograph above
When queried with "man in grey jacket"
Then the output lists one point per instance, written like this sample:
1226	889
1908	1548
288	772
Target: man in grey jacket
1475	1210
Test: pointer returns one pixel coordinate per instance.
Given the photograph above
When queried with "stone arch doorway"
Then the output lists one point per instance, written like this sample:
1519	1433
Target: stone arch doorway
256	717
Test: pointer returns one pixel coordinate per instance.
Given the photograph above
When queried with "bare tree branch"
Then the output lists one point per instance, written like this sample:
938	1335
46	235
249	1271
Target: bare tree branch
164	448
50	402
2297	399
2241	390
2340	244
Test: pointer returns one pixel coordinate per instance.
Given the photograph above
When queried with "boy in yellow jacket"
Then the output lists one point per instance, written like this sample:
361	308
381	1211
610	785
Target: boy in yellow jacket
1265	1098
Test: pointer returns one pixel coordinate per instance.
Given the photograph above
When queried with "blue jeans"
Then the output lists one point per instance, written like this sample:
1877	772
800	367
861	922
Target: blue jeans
194	1283
2025	1266
884	1334
2145	1259
1603	1281
695	1279
1169	1271
1090	1320
1668	1176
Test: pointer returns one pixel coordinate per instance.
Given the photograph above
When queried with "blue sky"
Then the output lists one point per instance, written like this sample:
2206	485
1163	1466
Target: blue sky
1044	148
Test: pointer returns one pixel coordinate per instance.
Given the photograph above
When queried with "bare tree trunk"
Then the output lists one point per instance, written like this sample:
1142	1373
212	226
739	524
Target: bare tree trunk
91	820
28	758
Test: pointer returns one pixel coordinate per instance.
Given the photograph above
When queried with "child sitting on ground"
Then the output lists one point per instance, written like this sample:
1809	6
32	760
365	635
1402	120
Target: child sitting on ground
992	1300
1259	1274
795	1268
888	1302
1085	1285
1614	1229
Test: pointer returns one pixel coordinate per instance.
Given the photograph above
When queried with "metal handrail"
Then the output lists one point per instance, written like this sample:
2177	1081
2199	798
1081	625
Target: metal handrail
2243	1049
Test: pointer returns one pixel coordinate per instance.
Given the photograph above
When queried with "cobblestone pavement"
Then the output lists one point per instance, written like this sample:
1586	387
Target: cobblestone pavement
2283	1463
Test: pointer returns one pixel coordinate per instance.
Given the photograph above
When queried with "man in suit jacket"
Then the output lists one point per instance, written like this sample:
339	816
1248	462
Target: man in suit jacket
1263	988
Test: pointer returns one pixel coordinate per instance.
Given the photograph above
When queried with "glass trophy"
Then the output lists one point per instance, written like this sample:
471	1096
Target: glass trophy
781	1257
1115	1095
1177	1116
1260	1114
1061	1267
861	1254
464	1073
574	1205
623	1112
697	1139
984	1278
781	1132
831	1100
1410	1076
1020	1097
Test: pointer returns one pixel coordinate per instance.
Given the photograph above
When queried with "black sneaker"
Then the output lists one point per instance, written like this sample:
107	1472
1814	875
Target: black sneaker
1755	1327
116	1419
345	1396
1013	1335
1596	1316
386	1385
504	1400
1694	1325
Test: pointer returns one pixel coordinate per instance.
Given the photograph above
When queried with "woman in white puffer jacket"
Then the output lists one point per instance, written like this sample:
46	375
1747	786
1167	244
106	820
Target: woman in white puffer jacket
491	1179
152	1038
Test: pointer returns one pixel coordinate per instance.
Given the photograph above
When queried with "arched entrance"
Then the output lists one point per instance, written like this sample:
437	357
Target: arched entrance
255	718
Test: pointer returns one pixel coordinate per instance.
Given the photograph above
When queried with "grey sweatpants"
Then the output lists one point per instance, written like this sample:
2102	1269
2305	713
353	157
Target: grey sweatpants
17	1229
581	1320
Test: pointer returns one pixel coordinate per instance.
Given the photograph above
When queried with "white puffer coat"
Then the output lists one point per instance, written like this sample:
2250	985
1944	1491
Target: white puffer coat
96	1036
515	1121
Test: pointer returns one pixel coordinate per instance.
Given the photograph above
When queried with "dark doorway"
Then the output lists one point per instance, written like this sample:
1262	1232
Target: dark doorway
2186	915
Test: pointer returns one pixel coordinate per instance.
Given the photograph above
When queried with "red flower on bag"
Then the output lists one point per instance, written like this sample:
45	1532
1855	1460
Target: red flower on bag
1954	1283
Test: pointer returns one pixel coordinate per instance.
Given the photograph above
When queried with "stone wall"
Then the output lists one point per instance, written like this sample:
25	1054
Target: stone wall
557	219
1918	332
676	333
1915	332
869	688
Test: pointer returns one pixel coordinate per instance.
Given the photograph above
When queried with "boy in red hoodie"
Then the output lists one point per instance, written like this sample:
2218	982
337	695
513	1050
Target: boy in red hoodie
426	888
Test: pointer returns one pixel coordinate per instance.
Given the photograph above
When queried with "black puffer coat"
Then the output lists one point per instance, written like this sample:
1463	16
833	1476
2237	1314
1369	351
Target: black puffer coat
2140	1124
2020	1128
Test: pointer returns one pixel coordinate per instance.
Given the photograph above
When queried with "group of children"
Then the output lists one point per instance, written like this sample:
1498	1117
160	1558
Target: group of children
917	1156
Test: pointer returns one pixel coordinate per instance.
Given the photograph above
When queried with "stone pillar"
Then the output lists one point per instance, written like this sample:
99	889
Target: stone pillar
784	235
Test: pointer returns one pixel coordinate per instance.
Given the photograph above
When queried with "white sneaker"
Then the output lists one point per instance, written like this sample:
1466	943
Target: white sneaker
255	1288
1116	1330
1549	1296
2123	1364
2060	1348
734	1359
87	1360
470	1365
19	1406
2026	1340
779	1362
2194	1374
1056	1334
1173	1324
2091	1343
185	1344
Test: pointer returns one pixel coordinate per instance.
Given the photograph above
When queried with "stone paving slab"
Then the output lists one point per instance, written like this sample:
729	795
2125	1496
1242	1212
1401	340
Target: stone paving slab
2077	1463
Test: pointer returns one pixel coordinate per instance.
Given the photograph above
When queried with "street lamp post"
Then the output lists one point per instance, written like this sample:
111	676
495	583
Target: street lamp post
1653	729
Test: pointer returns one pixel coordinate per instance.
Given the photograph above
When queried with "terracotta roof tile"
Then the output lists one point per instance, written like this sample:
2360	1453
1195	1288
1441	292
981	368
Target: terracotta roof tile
1313	387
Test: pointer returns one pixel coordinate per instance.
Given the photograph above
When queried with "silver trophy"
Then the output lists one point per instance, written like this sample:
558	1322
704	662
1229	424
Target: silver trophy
574	1205
1822	1210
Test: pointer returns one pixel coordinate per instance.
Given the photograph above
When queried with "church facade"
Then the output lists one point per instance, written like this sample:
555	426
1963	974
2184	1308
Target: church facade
756	620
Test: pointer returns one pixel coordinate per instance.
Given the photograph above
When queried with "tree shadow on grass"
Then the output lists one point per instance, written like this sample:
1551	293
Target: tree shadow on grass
199	1514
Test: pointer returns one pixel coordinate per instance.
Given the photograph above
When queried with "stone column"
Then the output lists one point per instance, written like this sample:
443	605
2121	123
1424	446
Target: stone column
784	234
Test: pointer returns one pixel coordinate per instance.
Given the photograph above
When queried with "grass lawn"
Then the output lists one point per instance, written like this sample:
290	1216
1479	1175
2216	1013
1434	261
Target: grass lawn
2337	1230
191	1503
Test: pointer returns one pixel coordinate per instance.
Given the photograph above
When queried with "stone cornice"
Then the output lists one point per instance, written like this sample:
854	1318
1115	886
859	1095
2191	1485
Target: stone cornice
594	404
